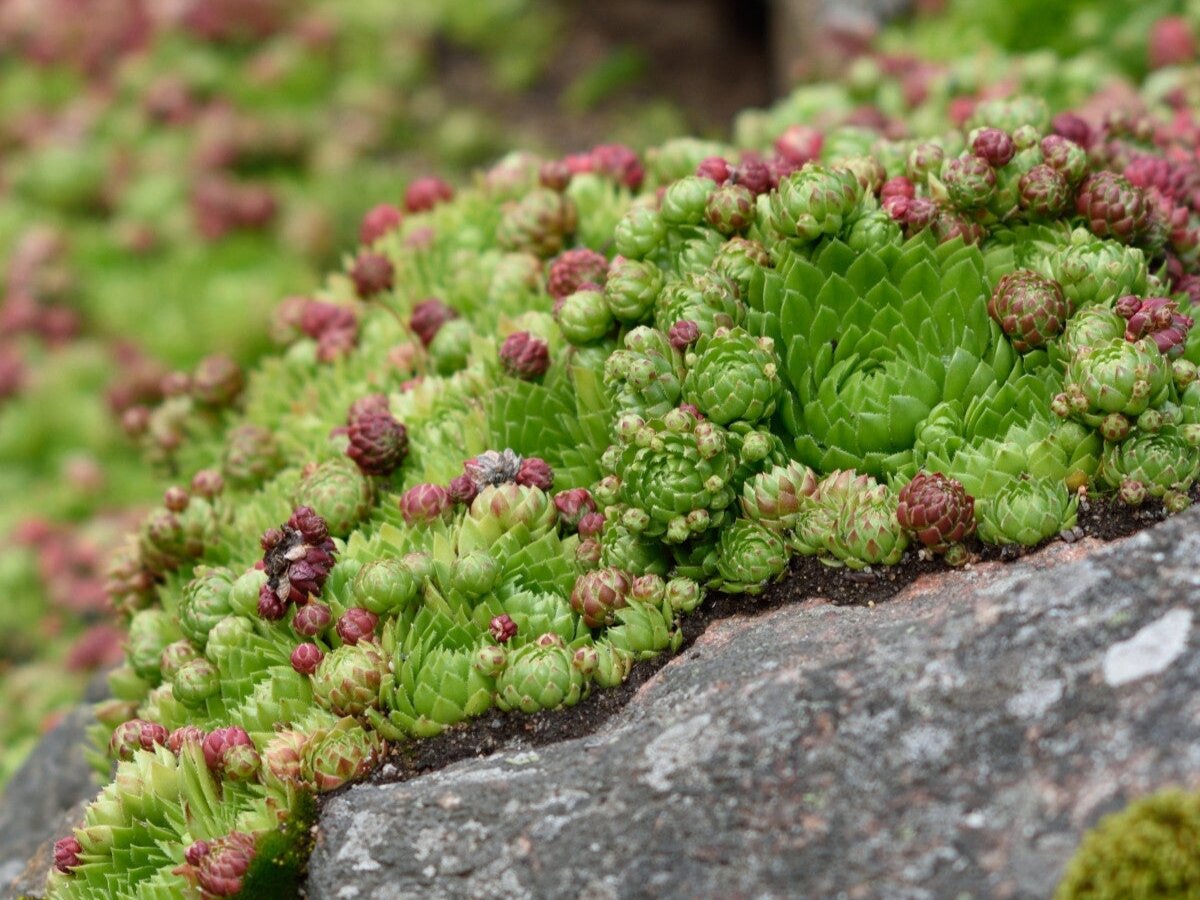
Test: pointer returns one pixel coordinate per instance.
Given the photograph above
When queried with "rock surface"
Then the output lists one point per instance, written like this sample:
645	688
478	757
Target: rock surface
952	742
44	796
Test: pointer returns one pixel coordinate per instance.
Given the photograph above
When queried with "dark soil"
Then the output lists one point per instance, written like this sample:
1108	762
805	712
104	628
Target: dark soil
1102	518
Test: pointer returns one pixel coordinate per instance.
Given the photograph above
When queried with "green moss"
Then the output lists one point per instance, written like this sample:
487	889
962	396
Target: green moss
1151	849
281	863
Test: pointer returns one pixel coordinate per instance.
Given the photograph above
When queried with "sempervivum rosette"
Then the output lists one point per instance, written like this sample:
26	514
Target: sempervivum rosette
812	202
871	342
437	686
338	492
676	471
646	375
378	441
348	679
732	376
1026	511
778	496
1161	464
1112	207
749	555
707	299
539	223
540	675
1116	380
851	521
1159	319
338	753
1029	307
1089	327
937	510
1095	271
1006	432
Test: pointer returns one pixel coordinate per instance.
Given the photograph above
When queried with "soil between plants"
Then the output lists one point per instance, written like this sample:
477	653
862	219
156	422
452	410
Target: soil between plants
1104	519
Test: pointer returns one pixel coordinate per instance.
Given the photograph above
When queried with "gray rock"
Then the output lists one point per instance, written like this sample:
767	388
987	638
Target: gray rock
48	786
953	742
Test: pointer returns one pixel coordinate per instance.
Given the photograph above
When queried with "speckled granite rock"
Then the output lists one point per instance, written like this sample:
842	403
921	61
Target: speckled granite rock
44	796
952	742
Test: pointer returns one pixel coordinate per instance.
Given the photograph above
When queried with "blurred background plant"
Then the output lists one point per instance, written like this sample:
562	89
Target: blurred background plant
172	170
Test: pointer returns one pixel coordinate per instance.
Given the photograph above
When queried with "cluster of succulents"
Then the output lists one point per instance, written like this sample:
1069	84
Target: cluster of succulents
533	421
170	171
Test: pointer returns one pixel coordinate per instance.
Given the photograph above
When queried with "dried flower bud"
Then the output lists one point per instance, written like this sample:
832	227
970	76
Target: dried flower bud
503	628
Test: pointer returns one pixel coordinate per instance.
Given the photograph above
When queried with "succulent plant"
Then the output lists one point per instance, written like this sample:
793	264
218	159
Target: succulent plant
540	675
1118	376
733	377
677	471
1160	462
1029	307
631	288
339	753
861	354
749	555
348	679
378	442
709	300
1026	511
1112	207
646	375
813	201
1095	271
1158	318
791	351
937	510
539	223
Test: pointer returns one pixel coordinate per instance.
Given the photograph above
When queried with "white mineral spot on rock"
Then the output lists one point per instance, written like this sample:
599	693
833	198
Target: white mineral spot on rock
1036	698
356	850
680	746
1149	651
528	758
927	743
430	841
